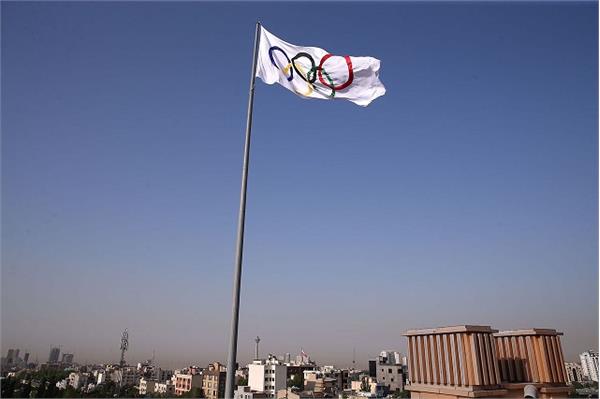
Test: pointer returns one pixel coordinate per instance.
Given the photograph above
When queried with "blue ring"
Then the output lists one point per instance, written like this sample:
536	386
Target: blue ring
286	56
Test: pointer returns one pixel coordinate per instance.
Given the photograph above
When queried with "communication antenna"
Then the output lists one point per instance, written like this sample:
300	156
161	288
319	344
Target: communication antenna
354	358
124	346
257	340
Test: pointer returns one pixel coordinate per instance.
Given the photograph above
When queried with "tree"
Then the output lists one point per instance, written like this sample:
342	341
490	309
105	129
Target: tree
296	380
70	392
8	387
193	393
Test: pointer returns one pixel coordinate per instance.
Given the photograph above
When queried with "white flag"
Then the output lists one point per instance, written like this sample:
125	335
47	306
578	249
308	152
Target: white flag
312	72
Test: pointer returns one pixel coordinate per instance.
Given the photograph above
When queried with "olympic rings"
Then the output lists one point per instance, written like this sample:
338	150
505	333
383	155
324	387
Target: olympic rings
274	63
315	71
312	62
300	71
350	73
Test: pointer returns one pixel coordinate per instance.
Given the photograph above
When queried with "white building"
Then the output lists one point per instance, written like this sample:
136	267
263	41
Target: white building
267	376
574	372
78	380
101	377
166	388
126	376
245	392
389	370
62	384
589	365
146	386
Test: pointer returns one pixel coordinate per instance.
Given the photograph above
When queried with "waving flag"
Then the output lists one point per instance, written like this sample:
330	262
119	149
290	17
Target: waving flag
312	72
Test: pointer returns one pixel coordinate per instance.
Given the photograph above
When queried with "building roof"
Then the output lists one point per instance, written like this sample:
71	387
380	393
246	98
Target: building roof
529	331
451	329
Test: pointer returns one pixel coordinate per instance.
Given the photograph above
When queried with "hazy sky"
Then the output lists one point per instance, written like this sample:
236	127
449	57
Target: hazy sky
467	194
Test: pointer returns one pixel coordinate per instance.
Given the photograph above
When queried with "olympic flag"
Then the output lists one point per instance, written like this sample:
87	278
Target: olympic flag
312	72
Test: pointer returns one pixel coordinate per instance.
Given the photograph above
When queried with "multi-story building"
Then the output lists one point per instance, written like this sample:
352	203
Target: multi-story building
244	392
589	365
162	375
67	358
127	376
146	386
166	388
10	357
101	377
186	382
475	361
213	381
389	370
78	380
574	372
54	354
267	375
373	368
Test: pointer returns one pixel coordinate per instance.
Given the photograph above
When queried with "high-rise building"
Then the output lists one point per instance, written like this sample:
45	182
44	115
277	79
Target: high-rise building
574	372
589	365
54	354
26	357
10	357
67	358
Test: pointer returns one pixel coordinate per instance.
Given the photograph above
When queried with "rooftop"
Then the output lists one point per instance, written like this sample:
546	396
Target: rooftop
451	329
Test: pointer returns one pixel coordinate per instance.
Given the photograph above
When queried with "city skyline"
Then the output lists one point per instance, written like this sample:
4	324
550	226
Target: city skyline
468	194
361	362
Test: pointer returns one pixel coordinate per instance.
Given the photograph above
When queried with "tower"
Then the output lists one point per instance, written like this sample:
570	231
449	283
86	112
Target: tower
257	340
54	354
124	346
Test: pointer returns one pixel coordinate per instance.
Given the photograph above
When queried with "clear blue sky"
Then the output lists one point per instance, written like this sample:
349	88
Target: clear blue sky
467	194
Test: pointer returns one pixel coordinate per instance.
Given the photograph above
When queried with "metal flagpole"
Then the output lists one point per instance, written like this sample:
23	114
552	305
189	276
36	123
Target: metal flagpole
237	278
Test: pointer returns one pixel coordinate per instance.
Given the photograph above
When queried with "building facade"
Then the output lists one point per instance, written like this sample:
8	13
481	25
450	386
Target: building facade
476	361
67	358
574	372
213	381
245	392
166	388
146	386
54	354
186	382
589	365
267	375
389	371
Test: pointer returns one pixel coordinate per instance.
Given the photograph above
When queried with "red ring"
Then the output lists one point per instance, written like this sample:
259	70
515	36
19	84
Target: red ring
350	73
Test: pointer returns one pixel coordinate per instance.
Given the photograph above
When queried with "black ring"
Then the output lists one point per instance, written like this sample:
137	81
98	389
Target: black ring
312	62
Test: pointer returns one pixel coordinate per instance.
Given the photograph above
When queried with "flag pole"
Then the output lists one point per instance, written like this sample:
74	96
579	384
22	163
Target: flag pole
237	277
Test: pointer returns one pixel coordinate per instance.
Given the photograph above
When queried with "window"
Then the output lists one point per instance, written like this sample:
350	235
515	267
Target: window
392	380
389	371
